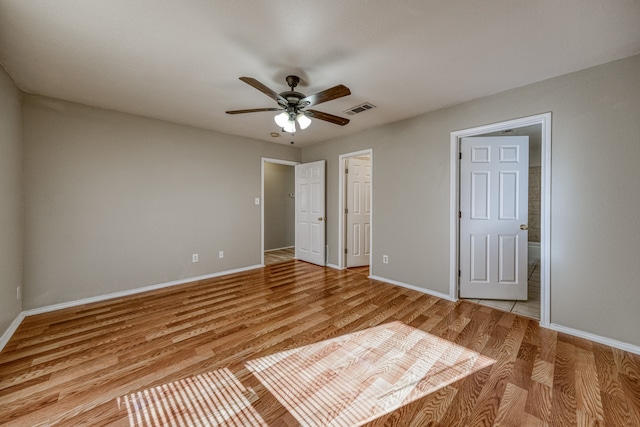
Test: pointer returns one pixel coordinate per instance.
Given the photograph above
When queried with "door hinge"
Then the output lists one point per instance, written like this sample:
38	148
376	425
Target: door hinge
459	273
346	251
460	214
346	170
346	210
460	155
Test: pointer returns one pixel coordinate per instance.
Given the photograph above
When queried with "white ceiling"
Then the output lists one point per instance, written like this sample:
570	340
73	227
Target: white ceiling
180	61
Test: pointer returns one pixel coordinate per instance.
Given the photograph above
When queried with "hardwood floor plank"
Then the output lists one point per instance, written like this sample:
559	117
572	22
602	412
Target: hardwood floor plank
543	372
539	402
616	411
588	400
279	255
511	406
432	408
484	367
486	409
464	402
522	371
564	378
548	343
631	388
563	409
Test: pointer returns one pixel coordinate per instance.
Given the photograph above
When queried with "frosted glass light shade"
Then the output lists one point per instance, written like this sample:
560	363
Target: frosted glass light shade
303	121
282	119
290	127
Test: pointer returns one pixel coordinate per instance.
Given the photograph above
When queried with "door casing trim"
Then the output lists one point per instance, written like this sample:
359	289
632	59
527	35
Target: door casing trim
341	225
544	120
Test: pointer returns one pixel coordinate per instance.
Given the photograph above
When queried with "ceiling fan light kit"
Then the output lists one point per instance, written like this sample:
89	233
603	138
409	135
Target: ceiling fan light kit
282	119
293	104
303	121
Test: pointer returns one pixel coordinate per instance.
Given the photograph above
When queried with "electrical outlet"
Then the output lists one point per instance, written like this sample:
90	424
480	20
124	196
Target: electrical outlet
221	254
19	292
194	258
257	201
385	259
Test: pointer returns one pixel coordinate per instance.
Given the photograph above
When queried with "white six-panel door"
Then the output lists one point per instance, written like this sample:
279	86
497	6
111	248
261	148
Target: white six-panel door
310	212
358	211
494	214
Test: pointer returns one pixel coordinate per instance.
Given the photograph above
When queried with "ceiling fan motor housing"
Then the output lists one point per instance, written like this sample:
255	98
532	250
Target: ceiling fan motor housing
293	98
293	81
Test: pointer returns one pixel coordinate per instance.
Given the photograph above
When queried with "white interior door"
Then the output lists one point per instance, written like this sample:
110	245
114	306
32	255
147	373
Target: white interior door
310	212
494	178
358	211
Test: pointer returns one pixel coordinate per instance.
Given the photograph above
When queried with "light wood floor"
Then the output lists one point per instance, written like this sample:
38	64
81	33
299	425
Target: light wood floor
361	270
267	347
279	255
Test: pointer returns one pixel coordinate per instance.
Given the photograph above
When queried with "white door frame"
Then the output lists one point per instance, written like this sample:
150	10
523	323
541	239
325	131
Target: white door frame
342	262
544	120
279	162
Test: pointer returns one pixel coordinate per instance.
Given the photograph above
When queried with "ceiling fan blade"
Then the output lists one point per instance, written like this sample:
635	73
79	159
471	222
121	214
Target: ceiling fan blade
324	96
326	117
264	89
252	110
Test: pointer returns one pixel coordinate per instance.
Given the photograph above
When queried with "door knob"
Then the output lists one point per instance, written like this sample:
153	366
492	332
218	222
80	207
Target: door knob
524	227
320	219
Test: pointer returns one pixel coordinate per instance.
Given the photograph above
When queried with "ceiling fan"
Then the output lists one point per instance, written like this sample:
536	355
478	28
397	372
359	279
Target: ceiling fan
292	104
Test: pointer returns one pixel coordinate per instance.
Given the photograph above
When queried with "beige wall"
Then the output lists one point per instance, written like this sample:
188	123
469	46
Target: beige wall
595	200
116	201
279	207
11	197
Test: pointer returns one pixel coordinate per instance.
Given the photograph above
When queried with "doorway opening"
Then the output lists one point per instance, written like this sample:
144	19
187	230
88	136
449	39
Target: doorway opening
539	129
278	211
355	230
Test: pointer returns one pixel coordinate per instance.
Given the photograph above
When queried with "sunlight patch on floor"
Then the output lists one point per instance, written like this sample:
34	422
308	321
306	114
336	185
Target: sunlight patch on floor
212	399
356	378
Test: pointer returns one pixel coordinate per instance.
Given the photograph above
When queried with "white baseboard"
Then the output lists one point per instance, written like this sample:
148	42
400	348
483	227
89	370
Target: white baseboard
559	328
596	338
415	288
128	292
4	339
335	267
279	249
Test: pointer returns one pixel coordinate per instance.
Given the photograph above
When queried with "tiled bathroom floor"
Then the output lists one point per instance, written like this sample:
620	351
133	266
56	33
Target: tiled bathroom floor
529	308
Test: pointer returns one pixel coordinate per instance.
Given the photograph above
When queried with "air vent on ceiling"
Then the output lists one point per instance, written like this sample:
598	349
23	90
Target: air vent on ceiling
359	108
